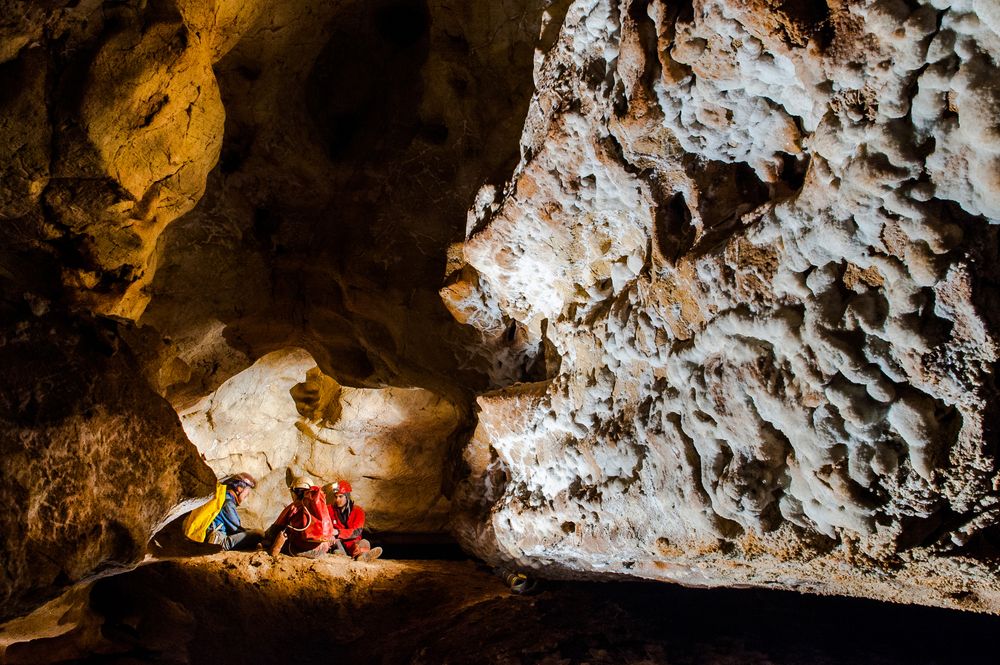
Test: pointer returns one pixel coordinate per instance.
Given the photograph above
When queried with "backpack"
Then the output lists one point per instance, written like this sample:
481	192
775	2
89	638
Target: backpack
198	520
318	527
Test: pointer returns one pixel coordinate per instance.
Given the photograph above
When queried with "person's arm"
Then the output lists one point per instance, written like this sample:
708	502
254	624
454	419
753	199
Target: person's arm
355	524
229	517
281	523
277	530
279	542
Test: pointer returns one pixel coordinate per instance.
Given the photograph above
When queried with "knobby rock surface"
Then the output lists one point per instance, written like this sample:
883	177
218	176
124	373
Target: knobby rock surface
753	247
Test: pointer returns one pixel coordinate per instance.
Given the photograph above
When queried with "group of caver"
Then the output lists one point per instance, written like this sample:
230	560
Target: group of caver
308	526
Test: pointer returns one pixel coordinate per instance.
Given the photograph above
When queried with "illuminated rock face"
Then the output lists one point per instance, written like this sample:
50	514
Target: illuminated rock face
731	319
756	241
134	125
282	418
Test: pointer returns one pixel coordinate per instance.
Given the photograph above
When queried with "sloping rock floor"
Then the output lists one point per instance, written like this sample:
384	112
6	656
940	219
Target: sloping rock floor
250	608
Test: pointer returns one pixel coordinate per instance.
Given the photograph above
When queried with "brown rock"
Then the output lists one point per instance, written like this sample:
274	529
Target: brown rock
92	461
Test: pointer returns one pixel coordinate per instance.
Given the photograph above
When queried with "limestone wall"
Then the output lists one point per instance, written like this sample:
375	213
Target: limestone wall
757	241
283	418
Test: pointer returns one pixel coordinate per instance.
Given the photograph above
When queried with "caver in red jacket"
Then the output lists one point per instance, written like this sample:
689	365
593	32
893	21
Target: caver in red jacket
349	520
304	524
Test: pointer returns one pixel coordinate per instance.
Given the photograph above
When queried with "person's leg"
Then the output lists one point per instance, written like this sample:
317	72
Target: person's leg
363	551
356	547
242	540
316	552
233	541
338	548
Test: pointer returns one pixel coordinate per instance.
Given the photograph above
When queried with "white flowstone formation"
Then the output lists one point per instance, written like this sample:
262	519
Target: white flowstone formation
789	362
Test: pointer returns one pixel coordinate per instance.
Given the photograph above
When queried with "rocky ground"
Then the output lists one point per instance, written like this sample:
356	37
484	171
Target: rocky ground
251	608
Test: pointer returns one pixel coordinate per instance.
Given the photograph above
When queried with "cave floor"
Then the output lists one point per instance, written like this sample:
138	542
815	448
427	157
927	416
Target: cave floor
250	608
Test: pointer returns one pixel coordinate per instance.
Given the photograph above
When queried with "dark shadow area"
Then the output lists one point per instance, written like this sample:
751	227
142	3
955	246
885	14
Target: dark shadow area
459	612
725	193
672	231
365	90
418	546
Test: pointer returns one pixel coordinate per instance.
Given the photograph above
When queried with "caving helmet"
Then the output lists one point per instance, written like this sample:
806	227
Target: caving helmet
341	487
242	479
301	483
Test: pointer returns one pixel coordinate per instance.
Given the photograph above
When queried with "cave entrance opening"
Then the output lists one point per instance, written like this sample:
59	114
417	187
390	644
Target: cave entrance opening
283	418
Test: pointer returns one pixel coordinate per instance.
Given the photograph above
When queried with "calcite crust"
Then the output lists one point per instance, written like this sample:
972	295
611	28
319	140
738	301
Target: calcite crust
766	373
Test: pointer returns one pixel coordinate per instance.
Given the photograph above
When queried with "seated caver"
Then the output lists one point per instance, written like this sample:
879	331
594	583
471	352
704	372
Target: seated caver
304	527
226	529
349	521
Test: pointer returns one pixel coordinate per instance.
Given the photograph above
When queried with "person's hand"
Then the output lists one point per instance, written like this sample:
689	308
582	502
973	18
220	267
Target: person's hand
276	546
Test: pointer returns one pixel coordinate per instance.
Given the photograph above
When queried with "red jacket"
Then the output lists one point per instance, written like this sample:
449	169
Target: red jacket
293	515
349	530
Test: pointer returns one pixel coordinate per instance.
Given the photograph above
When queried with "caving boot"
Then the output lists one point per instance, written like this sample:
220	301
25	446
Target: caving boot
370	555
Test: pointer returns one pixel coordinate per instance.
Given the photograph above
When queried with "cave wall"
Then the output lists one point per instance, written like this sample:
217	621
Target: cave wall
283	418
190	179
719	276
92	461
755	244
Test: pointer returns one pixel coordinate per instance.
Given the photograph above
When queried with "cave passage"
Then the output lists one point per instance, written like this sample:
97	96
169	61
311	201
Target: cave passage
283	418
417	546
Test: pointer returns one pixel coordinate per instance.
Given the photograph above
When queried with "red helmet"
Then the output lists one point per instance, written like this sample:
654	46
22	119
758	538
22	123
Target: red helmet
341	487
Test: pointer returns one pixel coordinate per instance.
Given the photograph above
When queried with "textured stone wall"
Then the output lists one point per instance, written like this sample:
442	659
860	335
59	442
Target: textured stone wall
284	418
752	244
92	461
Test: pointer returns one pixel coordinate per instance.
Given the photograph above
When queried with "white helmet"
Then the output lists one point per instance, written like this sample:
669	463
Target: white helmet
301	483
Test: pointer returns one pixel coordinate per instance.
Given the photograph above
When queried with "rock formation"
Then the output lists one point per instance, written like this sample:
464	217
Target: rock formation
753	242
93	462
711	281
284	418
